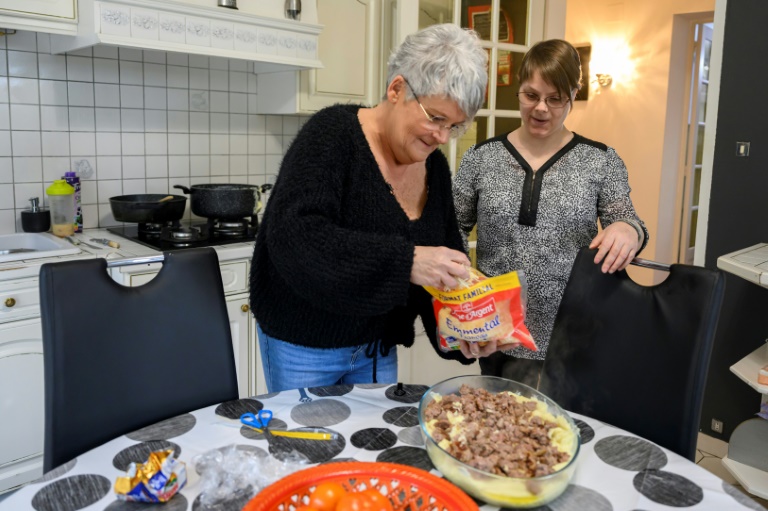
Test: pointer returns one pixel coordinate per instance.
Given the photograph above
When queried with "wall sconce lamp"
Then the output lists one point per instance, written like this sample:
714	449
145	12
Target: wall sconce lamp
603	79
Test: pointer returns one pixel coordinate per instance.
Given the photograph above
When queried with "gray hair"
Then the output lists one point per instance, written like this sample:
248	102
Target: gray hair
443	60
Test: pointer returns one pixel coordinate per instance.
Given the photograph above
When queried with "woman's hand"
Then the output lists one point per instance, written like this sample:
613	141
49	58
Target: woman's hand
474	350
438	267
617	244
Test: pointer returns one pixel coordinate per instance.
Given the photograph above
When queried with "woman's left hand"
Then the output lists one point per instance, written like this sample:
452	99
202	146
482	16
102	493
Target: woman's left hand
617	245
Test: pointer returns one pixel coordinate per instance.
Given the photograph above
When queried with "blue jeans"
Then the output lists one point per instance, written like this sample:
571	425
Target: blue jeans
290	366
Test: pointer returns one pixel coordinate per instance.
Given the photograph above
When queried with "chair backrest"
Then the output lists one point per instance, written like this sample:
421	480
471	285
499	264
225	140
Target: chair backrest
635	356
119	358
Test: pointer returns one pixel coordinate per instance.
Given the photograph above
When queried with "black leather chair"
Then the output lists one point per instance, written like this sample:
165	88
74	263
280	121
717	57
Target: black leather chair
635	356
119	358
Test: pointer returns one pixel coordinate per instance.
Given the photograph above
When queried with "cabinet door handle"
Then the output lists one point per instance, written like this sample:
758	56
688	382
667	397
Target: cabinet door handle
10	302
245	307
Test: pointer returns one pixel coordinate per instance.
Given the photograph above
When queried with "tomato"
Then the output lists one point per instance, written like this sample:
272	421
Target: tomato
368	500
306	508
376	501
326	496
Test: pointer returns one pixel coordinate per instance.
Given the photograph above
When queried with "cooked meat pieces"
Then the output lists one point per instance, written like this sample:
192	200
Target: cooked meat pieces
498	434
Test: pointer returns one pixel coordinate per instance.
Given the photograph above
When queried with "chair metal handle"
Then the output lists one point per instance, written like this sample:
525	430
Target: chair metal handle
647	263
113	263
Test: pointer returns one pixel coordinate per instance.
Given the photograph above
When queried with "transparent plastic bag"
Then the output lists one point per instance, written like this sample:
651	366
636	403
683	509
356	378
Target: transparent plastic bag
236	471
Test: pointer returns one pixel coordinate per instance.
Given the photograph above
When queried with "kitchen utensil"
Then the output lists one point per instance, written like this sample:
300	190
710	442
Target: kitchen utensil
147	208
77	242
223	201
16	251
105	241
35	219
258	422
167	197
229	4
293	9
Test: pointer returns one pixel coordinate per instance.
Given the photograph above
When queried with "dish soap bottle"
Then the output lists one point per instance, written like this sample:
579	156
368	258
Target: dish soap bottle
61	198
73	180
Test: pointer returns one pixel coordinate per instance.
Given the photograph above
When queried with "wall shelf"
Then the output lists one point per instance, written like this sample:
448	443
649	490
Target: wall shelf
748	367
753	480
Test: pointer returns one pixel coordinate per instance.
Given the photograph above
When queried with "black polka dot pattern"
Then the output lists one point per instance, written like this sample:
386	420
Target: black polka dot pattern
370	386
164	430
403	416
57	472
234	502
322	412
177	503
139	453
236	408
412	456
406	393
336	390
630	453
578	498
667	488
411	436
585	431
71	493
373	439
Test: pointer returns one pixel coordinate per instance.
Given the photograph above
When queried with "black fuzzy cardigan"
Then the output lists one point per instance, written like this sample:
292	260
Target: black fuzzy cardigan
332	261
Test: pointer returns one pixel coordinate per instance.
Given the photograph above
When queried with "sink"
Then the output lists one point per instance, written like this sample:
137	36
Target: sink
41	245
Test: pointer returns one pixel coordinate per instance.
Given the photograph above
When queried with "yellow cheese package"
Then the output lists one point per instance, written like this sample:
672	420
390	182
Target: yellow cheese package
157	480
482	309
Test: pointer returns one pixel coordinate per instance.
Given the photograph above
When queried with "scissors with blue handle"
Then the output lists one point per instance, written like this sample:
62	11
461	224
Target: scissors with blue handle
259	420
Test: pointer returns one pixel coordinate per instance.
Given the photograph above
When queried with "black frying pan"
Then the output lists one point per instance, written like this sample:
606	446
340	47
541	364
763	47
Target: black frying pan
147	208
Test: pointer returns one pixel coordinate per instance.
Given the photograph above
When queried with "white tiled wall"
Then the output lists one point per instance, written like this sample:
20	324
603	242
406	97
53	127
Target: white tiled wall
129	121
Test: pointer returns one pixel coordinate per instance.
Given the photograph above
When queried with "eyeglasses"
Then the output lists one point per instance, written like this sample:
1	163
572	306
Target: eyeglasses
531	99
438	122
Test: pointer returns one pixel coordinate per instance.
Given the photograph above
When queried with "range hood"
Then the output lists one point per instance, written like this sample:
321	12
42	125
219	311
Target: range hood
272	43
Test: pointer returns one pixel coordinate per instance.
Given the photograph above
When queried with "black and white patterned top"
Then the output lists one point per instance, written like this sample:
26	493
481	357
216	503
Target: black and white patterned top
616	470
537	221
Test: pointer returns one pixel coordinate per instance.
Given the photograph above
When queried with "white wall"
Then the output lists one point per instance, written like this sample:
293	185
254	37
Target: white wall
631	116
134	121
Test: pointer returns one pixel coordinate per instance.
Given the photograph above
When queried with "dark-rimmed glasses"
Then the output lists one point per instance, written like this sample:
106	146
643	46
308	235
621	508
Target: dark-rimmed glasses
532	99
454	131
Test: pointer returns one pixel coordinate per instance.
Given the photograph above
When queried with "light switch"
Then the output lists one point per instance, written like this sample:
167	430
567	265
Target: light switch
742	148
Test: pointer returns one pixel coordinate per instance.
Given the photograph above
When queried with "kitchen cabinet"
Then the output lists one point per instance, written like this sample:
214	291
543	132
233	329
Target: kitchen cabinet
21	383
53	16
349	48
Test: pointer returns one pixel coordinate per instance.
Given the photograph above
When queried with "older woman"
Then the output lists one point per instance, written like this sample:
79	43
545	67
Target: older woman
536	195
361	217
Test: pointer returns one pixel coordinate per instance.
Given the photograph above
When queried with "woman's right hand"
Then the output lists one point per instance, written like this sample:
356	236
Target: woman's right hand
438	267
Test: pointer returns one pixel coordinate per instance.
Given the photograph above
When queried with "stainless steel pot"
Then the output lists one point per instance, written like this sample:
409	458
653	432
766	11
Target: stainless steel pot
223	201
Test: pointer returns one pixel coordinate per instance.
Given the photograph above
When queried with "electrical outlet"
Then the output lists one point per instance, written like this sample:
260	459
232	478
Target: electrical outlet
717	426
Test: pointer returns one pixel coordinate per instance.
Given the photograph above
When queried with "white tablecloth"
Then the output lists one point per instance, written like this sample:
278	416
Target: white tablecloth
616	470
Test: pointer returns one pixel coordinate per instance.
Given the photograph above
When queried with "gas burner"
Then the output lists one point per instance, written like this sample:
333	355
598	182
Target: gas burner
182	236
232	228
151	229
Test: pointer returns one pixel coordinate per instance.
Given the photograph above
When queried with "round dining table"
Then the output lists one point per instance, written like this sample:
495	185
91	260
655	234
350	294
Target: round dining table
616	471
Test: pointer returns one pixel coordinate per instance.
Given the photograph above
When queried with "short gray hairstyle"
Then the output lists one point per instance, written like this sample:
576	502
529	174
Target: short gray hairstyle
443	60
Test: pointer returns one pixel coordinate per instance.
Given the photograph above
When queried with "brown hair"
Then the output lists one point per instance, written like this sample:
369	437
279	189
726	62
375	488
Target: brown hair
557	62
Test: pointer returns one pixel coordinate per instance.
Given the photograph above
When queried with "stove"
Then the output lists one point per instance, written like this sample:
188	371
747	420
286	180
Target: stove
179	235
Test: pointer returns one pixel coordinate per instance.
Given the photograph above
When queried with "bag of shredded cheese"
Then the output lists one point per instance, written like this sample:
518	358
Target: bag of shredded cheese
482	309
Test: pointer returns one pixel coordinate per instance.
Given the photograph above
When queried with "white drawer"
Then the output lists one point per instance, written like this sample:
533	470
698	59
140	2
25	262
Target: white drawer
234	276
19	299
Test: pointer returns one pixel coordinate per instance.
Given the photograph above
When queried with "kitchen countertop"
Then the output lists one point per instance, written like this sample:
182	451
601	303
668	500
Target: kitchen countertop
128	248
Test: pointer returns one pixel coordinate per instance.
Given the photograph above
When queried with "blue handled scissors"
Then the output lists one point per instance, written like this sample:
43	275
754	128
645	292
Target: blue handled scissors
258	421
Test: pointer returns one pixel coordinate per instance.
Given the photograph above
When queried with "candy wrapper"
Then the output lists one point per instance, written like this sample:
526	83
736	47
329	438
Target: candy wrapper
482	309
157	480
